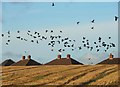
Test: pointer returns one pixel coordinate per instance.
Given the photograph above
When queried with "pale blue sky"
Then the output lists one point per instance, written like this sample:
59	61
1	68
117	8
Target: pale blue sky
36	15
39	16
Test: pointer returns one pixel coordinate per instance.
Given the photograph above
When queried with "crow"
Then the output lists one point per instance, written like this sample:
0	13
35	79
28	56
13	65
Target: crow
78	22
93	21
116	18
2	35
92	27
53	4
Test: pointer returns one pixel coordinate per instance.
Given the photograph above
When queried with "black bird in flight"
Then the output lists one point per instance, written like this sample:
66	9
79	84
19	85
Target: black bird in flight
110	46
18	37
93	21
59	36
74	40
28	31
97	50
60	31
79	48
49	43
34	37
52	50
7	44
46	31
18	31
8	36
56	37
116	18
68	45
37	42
62	40
60	50
35	33
87	40
38	35
53	4
99	41
97	46
109	37
84	45
92	27
21	38
83	37
89	58
63	50
83	41
78	22
2	35
87	43
32	40
91	48
69	40
72	45
8	40
105	50
88	47
58	42
8	32
99	38
51	31
65	42
72	49
25	39
95	43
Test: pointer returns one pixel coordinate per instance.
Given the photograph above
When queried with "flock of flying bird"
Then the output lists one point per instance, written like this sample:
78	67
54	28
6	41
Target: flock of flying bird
66	42
36	37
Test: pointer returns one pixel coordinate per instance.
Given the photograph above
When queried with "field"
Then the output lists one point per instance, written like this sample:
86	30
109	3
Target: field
60	75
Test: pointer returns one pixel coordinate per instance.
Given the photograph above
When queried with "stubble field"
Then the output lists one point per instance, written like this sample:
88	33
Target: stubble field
60	75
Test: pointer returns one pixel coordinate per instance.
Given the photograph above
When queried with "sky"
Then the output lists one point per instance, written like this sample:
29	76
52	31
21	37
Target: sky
39	16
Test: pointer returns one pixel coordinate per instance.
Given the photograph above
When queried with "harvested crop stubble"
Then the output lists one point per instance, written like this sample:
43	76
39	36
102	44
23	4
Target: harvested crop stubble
21	76
92	76
111	79
61	75
50	76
